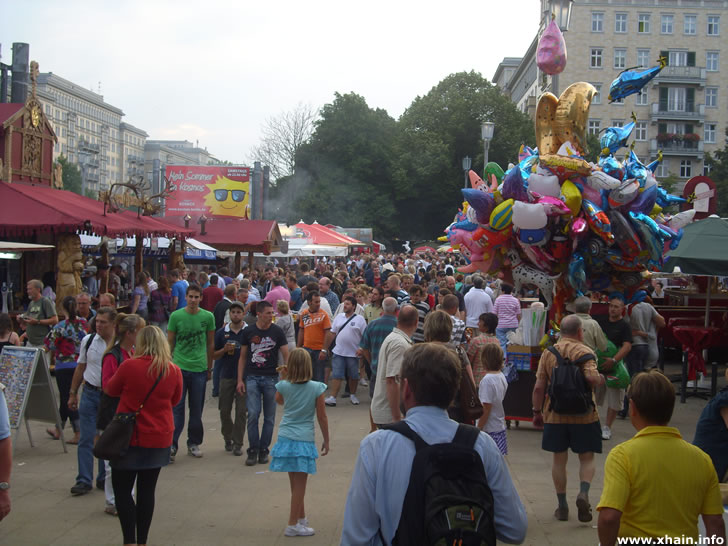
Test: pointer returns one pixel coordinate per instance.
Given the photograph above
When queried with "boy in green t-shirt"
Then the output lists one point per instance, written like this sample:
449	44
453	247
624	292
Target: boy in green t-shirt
191	333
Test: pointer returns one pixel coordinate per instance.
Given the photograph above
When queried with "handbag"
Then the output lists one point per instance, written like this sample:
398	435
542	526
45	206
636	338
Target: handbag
468	407
114	441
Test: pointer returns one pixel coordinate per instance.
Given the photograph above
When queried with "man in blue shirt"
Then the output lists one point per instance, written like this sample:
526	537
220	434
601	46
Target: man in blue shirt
375	334
179	290
296	296
428	382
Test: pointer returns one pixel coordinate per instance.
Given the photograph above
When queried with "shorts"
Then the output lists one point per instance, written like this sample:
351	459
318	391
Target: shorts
615	397
343	367
580	438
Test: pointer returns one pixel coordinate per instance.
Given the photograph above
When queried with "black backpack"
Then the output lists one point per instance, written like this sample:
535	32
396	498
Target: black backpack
448	500
568	391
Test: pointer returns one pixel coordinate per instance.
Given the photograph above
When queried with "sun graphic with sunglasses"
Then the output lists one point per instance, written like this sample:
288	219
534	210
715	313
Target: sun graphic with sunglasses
228	198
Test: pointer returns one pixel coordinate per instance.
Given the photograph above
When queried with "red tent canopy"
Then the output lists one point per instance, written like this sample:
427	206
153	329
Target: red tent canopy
240	235
321	235
26	209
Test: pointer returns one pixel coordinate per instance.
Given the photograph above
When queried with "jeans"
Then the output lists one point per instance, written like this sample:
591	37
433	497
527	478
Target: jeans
193	387
635	360
501	334
87	410
63	379
319	366
261	388
216	367
232	431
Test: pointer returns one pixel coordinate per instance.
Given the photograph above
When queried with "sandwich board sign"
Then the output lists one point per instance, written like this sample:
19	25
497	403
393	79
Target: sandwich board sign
28	389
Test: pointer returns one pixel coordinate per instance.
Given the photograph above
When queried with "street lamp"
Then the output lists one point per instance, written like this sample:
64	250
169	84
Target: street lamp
486	132
560	10
467	162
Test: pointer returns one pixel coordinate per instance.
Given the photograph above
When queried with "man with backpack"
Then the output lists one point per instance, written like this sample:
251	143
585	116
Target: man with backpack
566	374
398	477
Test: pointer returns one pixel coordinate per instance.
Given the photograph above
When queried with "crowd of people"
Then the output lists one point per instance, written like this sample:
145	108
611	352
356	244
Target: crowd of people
411	329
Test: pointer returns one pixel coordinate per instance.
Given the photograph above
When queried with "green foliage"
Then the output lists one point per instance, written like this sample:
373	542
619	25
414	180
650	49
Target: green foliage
593	148
718	163
71	175
402	178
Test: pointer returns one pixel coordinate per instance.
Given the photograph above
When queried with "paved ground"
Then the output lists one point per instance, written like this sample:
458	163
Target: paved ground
218	500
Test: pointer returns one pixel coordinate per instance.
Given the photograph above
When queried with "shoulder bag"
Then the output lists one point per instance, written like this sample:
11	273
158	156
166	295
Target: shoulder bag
114	441
466	407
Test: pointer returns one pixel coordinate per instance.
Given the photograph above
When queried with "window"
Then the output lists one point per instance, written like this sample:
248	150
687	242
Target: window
666	24
640	131
643	57
676	99
711	97
643	23
713	25
711	61
617	123
690	24
595	126
641	98
706	169
620	23
596	58
620	59
663	169
686	168
598	97
597	24
677	58
709	133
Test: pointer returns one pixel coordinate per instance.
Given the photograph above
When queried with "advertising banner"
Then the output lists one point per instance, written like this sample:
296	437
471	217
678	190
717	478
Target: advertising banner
212	190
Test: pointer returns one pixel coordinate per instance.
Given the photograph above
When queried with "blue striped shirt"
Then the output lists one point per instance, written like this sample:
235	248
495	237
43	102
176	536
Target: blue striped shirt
375	334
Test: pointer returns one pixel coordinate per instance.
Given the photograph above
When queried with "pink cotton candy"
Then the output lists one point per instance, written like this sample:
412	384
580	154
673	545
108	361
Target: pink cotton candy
551	53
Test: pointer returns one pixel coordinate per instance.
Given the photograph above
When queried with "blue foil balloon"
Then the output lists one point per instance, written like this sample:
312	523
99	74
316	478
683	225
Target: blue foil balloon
633	168
465	225
612	167
577	273
483	203
644	202
665	199
615	138
652	236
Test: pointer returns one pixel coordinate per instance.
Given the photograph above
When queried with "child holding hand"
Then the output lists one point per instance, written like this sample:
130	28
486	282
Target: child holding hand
295	451
492	391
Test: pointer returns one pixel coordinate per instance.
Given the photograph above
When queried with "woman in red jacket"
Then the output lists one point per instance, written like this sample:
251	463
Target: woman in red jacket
149	448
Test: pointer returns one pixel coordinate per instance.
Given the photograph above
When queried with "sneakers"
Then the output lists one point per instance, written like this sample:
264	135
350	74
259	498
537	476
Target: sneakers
80	489
606	433
363	382
237	450
172	454
228	445
330	401
582	504
194	451
100	484
252	459
111	510
263	456
298	530
354	400
562	514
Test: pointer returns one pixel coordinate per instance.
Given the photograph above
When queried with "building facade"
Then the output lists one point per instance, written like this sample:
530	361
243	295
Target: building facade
90	132
683	112
160	153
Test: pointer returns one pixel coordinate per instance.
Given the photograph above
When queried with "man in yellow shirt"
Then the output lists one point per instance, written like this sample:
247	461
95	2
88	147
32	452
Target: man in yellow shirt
656	484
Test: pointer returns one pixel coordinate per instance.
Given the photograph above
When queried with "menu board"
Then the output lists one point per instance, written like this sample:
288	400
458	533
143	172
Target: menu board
17	367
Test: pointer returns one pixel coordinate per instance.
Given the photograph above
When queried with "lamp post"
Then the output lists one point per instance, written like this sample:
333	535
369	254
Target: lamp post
467	162
561	12
486	132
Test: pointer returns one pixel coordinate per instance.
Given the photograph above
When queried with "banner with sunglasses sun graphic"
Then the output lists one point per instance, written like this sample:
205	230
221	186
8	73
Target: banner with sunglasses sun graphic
212	191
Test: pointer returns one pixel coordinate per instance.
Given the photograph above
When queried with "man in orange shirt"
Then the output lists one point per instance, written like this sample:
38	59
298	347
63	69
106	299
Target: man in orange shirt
312	330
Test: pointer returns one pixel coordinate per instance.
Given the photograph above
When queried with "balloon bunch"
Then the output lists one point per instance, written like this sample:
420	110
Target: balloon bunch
562	223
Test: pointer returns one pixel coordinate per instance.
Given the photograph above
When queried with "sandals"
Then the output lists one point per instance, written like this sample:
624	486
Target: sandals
53	433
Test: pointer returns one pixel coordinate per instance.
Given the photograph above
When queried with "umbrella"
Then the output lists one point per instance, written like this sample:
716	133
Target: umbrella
703	249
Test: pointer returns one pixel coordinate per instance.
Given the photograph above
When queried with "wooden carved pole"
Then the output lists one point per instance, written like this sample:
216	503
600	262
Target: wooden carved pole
236	265
250	260
139	255
104	263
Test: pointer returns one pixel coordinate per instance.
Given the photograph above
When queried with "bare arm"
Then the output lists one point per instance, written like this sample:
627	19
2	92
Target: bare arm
724	415
323	422
241	368
171	339
135	303
659	321
299	342
486	413
284	353
714	526
328	339
608	526
393	398
210	349
279	398
174	300
75	384
539	392
623	351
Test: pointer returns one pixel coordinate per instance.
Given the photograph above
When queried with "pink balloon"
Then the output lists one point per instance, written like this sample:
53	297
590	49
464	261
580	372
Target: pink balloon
551	52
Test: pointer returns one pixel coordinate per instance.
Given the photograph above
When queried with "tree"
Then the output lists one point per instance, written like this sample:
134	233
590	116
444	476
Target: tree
282	137
71	175
718	163
223	162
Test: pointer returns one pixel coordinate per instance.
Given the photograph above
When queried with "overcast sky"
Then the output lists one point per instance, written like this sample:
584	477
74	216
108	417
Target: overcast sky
214	71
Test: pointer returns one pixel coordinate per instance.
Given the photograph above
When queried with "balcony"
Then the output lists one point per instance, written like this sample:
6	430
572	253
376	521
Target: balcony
691	112
682	149
681	74
86	145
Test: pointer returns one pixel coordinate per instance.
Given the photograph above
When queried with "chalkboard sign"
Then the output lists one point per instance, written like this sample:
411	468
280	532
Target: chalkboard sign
28	389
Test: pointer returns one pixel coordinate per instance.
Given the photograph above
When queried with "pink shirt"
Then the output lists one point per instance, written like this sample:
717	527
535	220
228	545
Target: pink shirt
278	293
508	309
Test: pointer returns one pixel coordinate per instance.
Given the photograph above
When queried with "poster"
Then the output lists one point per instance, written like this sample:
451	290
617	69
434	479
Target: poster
215	191
16	366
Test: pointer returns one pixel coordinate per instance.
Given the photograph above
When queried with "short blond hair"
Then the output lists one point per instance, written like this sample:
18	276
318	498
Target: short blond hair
151	341
299	368
282	306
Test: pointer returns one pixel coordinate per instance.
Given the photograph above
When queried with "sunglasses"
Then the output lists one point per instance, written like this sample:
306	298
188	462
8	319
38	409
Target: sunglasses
222	195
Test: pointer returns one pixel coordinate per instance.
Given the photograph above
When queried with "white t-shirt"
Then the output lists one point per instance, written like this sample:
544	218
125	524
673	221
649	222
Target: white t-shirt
347	339
93	359
477	302
492	390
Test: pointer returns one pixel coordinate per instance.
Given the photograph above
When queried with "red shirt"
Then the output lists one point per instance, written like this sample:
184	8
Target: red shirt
210	296
132	382
109	365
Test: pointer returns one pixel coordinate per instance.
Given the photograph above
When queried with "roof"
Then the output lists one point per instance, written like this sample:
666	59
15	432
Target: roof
6	246
8	110
240	235
27	209
321	235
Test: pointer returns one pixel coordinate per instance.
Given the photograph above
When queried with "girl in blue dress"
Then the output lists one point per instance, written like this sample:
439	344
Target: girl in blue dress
295	451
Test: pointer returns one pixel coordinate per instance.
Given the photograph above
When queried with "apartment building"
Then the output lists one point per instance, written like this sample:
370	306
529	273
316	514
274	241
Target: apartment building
683	112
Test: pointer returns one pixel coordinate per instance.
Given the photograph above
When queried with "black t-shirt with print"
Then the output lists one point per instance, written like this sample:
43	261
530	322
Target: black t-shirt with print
263	346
